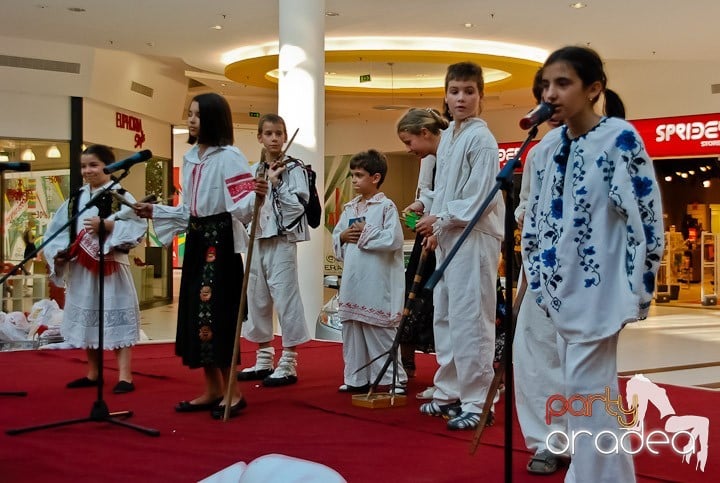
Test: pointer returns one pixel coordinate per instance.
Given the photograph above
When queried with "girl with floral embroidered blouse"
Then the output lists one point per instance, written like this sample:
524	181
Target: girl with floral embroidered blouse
593	239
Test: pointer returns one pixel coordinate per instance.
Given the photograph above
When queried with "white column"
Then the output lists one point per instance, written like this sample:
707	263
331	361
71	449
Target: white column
301	102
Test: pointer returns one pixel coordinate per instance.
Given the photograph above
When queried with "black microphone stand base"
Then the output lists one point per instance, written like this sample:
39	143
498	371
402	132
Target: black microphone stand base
99	413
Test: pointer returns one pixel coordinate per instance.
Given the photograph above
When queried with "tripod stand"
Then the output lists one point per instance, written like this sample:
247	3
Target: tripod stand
99	411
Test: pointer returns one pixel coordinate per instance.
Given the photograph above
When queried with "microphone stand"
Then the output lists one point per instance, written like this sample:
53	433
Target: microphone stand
504	181
99	411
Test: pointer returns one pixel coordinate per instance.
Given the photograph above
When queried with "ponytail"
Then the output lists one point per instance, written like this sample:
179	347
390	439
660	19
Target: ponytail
614	106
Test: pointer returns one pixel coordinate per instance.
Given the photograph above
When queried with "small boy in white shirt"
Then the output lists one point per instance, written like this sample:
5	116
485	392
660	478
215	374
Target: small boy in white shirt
369	239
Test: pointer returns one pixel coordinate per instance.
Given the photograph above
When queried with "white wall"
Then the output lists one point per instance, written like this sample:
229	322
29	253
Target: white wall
105	75
34	116
99	127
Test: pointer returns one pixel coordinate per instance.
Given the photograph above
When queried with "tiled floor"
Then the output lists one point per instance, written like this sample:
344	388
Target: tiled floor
678	344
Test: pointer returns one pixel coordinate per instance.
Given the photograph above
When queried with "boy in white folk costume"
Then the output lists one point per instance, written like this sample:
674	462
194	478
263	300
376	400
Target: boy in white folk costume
273	271
465	298
369	239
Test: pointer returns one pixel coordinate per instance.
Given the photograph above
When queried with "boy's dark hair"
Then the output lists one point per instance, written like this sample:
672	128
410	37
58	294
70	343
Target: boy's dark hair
463	71
371	161
102	152
216	126
588	66
272	119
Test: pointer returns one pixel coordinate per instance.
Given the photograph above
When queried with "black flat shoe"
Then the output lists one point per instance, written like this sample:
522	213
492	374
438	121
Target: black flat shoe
123	386
218	412
354	389
82	382
188	407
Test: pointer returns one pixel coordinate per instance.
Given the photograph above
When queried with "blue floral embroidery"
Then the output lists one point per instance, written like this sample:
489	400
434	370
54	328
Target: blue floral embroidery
627	141
642	186
549	257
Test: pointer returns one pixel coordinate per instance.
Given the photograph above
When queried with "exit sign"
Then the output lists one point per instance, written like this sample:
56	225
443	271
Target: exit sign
253	114
365	78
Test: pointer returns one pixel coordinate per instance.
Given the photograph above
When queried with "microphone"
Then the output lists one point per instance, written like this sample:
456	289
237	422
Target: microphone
539	115
126	164
15	166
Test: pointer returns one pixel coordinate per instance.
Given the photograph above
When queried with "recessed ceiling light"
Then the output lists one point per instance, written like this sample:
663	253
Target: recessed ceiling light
578	5
76	9
468	25
222	84
216	27
332	14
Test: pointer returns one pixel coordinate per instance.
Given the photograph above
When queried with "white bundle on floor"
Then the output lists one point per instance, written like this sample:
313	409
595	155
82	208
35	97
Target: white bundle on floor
276	468
45	318
9	330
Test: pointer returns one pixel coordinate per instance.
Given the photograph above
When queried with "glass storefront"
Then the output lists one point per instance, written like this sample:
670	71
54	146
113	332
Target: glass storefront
31	199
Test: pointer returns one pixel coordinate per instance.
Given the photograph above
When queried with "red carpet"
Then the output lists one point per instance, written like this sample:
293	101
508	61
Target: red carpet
309	420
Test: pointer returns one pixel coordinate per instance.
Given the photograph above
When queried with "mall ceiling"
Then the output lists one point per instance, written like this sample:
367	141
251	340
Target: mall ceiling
184	34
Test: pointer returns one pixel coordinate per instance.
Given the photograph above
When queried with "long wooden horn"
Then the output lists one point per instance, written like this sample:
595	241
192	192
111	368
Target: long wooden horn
259	174
497	379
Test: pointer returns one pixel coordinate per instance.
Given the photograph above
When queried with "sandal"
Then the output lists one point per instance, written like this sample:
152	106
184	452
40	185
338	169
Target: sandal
468	420
432	408
544	462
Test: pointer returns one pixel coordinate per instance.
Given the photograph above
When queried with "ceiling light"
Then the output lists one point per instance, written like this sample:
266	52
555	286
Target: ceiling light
578	5
703	168
4	157
216	27
706	183
53	152
28	155
468	25
423	44
668	178
332	14
684	175
691	172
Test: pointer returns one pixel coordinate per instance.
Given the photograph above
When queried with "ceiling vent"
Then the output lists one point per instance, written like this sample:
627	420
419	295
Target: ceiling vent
39	64
715	88
141	89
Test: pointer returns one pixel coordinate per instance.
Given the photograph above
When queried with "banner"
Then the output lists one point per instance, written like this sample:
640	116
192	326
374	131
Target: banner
684	136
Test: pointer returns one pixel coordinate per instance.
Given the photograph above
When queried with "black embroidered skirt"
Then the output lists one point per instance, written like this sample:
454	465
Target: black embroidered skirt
210	291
